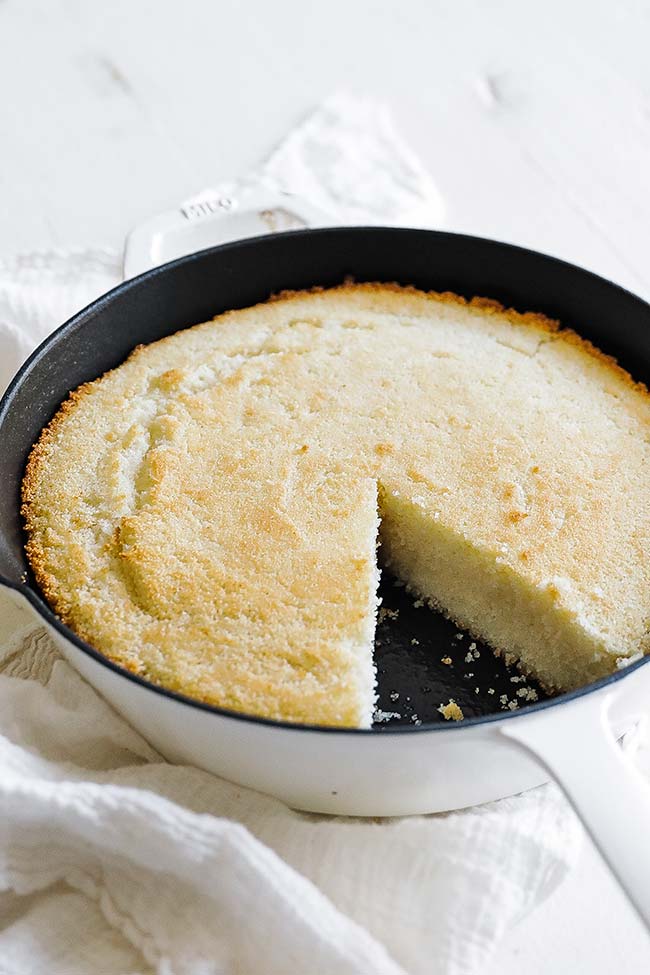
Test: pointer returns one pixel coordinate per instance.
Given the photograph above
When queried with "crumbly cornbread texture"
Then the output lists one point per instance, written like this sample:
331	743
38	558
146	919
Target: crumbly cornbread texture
207	514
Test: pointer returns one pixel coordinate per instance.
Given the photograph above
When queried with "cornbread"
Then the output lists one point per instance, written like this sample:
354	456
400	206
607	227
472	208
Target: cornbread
207	514
451	711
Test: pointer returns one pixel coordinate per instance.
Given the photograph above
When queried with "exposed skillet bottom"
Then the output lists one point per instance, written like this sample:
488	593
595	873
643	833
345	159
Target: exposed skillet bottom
424	661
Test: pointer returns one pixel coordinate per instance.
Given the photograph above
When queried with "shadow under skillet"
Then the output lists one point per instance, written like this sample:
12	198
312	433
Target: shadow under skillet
424	661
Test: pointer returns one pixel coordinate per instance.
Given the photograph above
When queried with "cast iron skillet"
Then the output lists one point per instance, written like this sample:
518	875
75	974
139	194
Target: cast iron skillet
413	680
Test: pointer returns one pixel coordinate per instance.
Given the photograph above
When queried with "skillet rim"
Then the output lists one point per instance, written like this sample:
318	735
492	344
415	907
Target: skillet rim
37	602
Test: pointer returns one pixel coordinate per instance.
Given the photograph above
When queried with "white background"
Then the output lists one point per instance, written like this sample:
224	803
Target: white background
533	118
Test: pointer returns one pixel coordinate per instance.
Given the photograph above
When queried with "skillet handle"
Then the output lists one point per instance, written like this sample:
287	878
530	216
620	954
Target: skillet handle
216	220
576	745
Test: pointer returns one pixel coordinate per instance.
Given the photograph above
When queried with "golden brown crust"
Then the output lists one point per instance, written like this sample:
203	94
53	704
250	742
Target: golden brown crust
489	306
33	547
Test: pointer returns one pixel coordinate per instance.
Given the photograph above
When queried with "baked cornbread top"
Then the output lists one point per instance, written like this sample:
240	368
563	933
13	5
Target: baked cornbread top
206	514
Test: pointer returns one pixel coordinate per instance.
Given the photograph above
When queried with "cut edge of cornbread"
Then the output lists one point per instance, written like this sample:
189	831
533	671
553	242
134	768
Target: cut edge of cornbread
483	595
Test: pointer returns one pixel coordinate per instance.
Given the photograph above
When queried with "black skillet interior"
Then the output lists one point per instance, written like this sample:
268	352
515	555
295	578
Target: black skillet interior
423	660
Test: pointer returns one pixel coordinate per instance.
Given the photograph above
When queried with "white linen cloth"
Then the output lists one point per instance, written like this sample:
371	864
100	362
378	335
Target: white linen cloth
113	861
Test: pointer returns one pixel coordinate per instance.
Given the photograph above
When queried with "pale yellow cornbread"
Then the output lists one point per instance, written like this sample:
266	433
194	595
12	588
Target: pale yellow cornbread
207	514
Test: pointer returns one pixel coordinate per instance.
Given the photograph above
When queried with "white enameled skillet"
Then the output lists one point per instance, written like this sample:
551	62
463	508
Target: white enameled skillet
402	767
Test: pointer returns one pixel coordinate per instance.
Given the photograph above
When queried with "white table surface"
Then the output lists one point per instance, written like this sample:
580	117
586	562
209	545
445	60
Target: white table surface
534	119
